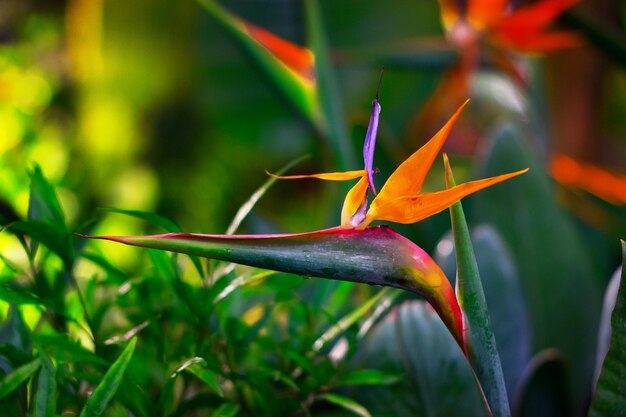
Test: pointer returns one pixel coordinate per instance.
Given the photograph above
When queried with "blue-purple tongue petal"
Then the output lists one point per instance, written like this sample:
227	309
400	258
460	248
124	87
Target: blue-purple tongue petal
370	143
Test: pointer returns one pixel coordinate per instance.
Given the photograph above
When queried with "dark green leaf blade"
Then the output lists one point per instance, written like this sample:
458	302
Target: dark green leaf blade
104	392
55	239
367	377
45	399
345	403
17	377
558	281
152	218
44	204
543	388
481	342
610	395
328	90
436	378
226	410
507	306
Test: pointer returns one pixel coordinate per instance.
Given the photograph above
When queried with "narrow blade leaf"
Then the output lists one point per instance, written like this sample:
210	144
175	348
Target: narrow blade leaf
262	48
345	403
17	377
45	399
104	392
482	352
609	399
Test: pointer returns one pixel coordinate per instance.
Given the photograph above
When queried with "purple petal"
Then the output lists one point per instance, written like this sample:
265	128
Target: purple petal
370	143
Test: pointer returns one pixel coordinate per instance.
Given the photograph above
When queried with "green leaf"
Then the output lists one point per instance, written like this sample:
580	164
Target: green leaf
65	350
367	377
349	319
45	398
245	209
481	342
345	403
506	303
328	89
207	376
226	410
10	382
159	221
100	260
610	395
436	378
154	219
562	293
104	392
299	91
12	293
15	332
53	237
543	388
376	255
43	204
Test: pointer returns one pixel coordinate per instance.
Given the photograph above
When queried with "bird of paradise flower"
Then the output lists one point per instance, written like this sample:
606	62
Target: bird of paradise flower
497	32
354	251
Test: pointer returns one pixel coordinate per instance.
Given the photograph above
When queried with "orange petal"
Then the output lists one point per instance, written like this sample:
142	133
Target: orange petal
408	178
537	42
411	209
483	13
355	199
524	29
299	59
328	176
450	13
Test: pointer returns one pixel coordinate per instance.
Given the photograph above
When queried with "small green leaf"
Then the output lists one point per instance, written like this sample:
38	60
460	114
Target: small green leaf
159	221
105	264
367	377
15	332
345	403
12	293
610	396
207	376
226	410
17	377
350	319
54	238
65	350
245	209
45	398
154	219
104	392
43	204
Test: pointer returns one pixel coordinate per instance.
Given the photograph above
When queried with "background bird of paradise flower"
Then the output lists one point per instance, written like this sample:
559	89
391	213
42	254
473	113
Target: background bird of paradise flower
172	108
